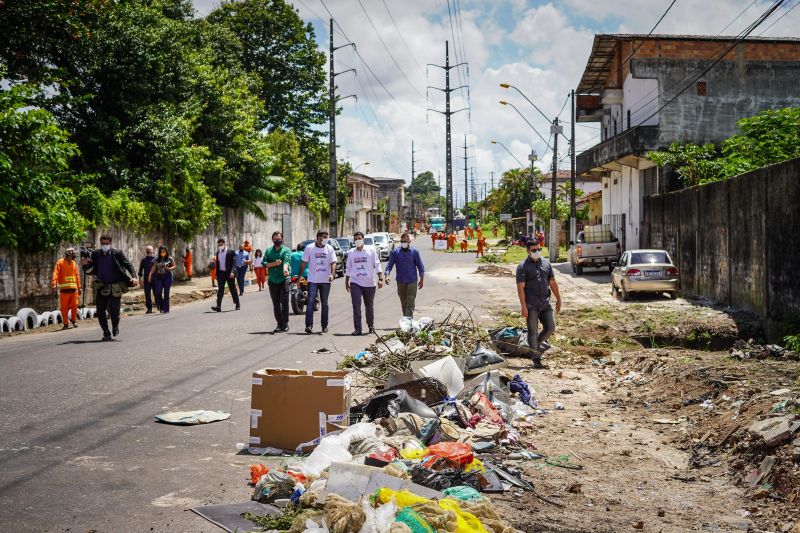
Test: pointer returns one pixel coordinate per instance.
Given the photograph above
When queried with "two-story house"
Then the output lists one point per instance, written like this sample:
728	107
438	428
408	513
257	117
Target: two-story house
362	201
648	91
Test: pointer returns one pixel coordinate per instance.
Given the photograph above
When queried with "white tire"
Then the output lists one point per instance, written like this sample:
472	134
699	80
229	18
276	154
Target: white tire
28	317
57	318
15	324
45	319
4	326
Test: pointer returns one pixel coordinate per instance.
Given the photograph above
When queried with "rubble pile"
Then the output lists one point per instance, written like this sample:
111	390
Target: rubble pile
423	451
751	350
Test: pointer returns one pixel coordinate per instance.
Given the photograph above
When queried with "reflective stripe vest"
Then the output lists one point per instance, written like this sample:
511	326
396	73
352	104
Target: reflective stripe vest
65	275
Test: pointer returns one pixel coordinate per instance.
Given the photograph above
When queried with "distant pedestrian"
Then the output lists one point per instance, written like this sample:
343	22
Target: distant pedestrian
161	277
362	265
464	246
409	264
296	261
144	276
212	270
187	263
243	262
434	236
321	260
481	246
278	260
494	232
114	274
259	269
535	282
226	274
247	247
68	283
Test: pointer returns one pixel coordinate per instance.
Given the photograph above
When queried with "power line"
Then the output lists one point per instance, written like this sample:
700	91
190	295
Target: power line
405	43
779	18
742	12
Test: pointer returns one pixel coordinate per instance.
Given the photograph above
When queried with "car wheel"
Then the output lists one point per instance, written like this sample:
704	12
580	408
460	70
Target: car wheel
673	295
573	267
610	268
579	270
625	294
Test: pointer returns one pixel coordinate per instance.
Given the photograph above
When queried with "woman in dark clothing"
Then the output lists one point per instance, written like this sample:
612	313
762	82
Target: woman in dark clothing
161	278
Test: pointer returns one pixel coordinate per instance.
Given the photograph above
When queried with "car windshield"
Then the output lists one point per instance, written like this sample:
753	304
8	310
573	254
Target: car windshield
344	243
379	238
368	240
334	244
639	258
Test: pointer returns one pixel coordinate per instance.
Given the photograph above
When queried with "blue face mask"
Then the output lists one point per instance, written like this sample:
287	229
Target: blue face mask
277	243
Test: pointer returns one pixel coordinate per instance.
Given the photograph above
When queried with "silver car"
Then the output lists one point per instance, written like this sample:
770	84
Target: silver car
382	245
644	271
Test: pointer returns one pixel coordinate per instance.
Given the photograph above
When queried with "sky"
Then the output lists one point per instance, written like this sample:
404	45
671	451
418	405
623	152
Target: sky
540	47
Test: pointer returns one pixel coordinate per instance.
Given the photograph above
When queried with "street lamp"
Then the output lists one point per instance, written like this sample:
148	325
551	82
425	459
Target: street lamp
509	152
360	165
508	86
503	102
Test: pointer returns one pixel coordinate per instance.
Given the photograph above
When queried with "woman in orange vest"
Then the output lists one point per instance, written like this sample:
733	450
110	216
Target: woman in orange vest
66	279
187	264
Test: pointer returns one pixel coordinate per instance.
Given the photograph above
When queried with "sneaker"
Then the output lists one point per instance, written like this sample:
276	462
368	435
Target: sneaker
277	330
74	325
107	336
324	330
115	331
372	331
66	326
356	333
285	329
308	330
216	308
149	312
238	307
544	346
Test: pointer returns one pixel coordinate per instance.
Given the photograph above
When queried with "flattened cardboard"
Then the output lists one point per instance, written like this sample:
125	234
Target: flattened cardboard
293	407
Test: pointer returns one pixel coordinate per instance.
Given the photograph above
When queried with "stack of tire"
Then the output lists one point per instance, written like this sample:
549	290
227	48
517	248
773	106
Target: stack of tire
27	318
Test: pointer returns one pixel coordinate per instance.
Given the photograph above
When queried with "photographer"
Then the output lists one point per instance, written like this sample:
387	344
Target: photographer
114	274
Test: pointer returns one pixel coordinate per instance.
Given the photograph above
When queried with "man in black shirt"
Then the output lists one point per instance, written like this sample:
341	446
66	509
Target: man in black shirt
144	270
535	282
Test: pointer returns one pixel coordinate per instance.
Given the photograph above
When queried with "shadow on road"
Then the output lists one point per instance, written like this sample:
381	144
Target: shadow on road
83	342
599	276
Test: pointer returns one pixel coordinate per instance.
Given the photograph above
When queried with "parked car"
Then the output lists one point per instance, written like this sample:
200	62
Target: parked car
595	247
381	242
340	257
389	238
346	243
369	243
645	271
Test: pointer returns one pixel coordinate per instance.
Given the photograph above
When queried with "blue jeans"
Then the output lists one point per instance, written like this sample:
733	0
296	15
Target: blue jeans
162	285
324	290
240	272
148	294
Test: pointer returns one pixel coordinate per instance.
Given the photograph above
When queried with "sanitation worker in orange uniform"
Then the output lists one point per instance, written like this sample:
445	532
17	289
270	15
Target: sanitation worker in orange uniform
464	246
68	283
481	245
187	263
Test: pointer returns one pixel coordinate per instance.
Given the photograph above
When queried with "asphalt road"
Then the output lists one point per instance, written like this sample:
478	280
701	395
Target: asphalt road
79	448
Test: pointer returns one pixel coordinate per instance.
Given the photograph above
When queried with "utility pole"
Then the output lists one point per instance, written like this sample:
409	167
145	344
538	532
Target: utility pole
333	190
553	244
466	180
448	145
492	174
472	190
572	215
413	199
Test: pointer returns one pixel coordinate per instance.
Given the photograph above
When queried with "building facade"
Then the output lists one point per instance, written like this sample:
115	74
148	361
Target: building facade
649	91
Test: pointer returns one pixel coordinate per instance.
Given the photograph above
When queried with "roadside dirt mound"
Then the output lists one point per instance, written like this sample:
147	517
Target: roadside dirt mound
494	271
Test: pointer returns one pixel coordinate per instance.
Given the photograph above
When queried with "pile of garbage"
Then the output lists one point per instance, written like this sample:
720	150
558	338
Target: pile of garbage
420	454
751	350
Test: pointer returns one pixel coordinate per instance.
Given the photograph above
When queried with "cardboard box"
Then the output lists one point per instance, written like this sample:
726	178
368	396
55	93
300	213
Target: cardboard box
296	408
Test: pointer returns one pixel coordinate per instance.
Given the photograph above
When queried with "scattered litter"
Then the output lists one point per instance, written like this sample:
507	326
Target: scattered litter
780	392
670	420
751	350
321	350
559	406
707	404
191	418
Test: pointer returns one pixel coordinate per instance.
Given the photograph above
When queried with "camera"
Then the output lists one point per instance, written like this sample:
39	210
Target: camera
86	249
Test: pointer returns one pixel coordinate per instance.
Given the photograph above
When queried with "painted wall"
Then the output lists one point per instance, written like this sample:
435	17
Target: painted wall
734	241
640	99
31	283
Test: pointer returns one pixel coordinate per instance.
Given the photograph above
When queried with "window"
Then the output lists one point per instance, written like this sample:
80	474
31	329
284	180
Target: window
629	119
701	88
615	126
649	257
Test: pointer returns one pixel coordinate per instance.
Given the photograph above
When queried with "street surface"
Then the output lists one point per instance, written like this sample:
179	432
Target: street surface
79	448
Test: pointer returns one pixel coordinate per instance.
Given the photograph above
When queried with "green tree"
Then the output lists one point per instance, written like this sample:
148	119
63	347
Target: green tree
542	210
694	164
426	192
37	205
514	194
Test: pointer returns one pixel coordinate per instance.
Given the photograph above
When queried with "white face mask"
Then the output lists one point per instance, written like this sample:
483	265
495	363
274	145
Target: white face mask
359	243
404	244
536	255
105	247
221	247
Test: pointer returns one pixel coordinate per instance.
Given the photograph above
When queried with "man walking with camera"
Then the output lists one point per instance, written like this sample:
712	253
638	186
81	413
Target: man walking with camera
114	274
68	283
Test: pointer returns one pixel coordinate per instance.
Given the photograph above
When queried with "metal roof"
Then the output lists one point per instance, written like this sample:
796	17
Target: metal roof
603	50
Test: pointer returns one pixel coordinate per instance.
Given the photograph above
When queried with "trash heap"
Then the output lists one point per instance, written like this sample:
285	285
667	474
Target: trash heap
751	350
422	452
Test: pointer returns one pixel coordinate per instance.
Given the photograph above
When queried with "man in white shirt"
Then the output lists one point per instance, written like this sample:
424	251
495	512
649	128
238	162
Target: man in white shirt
362	265
321	260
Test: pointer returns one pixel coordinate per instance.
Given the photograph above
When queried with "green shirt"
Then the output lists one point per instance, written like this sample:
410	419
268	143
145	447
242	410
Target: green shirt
276	273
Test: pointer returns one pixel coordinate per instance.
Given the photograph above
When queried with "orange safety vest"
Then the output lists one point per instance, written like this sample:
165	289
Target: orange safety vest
65	275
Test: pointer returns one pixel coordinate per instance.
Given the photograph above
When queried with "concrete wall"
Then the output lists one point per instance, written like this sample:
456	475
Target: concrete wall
736	241
29	286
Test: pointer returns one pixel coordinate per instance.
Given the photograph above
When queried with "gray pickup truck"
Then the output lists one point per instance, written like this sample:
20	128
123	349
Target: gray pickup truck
595	247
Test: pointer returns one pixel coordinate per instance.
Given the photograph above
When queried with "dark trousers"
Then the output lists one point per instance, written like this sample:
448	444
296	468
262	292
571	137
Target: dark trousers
324	289
148	294
535	337
408	297
162	285
108	304
279	292
222	279
240	273
357	293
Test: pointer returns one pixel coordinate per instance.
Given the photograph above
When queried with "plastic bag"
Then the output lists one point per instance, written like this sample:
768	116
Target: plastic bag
477	465
409	325
256	471
273	485
329	450
444	478
415	522
483	359
467	522
457	452
518	385
425	322
380	519
463	493
413	453
392	345
394	402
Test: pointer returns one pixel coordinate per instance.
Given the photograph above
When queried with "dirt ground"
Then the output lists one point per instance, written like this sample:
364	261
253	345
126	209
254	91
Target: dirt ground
653	432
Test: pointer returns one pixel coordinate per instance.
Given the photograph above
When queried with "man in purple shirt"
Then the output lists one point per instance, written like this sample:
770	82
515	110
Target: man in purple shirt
409	263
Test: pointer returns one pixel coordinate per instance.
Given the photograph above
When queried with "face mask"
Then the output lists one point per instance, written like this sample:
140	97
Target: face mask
163	254
359	243
404	244
536	255
149	252
105	247
221	247
277	243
